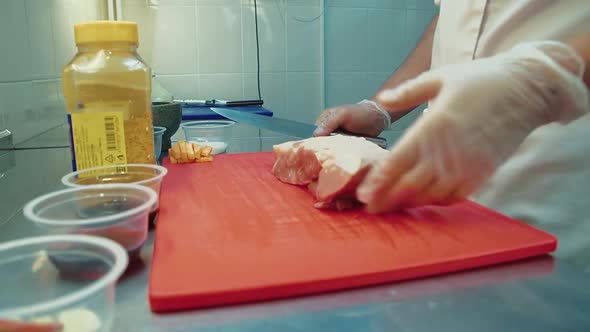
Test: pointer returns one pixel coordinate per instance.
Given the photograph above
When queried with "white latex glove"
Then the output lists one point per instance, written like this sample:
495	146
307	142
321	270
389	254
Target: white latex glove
366	117
480	113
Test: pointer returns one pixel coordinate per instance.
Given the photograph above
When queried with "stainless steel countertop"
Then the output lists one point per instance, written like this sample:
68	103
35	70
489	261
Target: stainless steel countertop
542	294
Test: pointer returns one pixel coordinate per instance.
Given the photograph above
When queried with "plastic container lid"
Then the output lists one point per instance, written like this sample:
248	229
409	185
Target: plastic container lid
158	172
36	209
106	31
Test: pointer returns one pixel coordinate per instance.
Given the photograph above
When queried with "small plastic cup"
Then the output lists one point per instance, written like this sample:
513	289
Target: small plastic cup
66	280
214	133
158	134
142	174
115	211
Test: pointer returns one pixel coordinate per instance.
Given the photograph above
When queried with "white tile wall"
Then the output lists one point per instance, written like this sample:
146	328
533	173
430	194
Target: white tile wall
218	2
375	80
346	39
41	39
383	4
37	41
346	87
16	55
16	104
219	41
420	4
145	17
303	38
174	50
273	87
182	86
305	3
30	107
45	100
65	14
63	29
386	39
271	31
303	96
175	2
2	121
221	86
47	107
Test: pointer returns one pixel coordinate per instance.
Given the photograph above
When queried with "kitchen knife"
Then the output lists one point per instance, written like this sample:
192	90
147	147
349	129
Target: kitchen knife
214	102
284	126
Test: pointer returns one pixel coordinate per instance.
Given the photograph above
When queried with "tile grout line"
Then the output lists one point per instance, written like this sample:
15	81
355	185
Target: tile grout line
367	64
323	8
24	3
242	58
52	21
197	87
286	33
42	80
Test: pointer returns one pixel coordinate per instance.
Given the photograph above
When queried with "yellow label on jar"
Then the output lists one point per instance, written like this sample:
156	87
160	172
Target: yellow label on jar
99	138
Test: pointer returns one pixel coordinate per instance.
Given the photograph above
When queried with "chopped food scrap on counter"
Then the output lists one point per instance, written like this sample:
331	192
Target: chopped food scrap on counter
185	152
22	326
79	320
71	320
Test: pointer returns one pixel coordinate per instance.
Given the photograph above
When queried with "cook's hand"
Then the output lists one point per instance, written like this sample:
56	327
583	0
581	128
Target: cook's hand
366	118
480	113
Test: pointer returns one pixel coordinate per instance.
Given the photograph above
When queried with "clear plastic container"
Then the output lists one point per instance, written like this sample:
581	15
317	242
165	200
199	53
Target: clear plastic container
215	133
66	280
107	89
115	211
144	175
158	135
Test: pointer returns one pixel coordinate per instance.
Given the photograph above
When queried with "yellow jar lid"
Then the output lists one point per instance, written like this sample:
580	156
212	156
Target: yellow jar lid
106	31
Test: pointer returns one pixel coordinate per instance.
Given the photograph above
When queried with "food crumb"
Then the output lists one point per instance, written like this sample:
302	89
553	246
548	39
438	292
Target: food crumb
79	320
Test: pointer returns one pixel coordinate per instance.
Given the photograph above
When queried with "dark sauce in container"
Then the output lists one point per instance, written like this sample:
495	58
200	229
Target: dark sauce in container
152	219
130	234
74	266
123	177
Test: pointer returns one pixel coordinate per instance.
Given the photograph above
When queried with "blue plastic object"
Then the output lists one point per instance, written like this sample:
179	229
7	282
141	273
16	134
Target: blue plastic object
190	112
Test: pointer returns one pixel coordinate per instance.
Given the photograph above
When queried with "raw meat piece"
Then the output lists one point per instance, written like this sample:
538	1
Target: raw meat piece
331	166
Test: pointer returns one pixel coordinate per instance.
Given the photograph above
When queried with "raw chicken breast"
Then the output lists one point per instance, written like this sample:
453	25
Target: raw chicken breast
331	166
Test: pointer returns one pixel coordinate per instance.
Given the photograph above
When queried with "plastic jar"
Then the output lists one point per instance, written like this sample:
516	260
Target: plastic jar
107	89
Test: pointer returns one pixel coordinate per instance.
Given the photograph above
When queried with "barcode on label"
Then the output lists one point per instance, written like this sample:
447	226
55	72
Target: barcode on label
111	133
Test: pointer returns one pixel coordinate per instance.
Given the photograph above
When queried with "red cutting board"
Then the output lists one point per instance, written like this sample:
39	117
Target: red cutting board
230	232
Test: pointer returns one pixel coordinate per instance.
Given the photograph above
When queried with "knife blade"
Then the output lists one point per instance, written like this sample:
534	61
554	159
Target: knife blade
284	126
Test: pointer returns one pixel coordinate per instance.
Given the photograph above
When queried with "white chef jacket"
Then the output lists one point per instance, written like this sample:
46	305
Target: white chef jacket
547	181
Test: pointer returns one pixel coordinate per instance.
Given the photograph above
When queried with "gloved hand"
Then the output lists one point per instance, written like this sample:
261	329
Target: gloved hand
366	118
480	112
